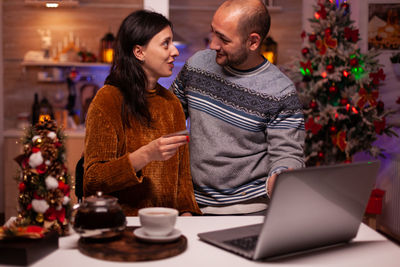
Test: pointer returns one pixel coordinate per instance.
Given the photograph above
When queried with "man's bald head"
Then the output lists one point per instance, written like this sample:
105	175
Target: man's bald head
253	16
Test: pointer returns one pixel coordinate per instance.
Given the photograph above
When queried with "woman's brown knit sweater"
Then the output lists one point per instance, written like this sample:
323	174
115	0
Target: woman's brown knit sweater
107	145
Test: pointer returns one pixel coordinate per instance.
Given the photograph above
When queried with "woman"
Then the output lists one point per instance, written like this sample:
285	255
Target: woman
127	153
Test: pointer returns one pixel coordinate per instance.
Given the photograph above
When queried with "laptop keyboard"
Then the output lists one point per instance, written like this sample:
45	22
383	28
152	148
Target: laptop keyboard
247	243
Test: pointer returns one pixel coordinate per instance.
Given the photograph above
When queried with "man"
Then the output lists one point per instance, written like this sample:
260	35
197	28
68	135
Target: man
246	122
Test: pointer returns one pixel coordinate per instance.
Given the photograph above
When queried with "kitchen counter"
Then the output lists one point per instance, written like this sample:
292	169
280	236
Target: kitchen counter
17	133
369	248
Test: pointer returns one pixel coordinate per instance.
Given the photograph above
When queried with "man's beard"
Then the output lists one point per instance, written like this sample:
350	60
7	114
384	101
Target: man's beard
235	59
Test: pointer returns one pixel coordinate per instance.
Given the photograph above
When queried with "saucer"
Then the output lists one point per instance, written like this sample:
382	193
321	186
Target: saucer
175	234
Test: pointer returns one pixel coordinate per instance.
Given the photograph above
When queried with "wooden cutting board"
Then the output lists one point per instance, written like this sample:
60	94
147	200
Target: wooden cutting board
128	248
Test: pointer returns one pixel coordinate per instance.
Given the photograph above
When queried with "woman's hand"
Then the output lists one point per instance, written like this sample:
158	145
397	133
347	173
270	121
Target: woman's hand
164	148
160	149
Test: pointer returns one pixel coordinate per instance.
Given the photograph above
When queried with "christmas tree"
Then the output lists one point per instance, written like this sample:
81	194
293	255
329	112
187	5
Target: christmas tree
43	182
339	87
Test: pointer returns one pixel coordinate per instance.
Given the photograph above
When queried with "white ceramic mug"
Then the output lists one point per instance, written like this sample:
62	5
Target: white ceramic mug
157	221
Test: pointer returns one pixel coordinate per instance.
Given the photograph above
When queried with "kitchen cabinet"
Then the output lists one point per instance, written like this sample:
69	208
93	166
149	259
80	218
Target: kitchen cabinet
64	64
51	71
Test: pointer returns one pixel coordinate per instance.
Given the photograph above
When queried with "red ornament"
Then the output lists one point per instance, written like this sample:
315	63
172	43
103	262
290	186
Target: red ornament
333	129
21	187
73	74
347	160
377	76
330	68
328	31
345	6
321	155
332	89
313	104
310	125
303	35
36	196
322	12
64	188
41	168
312	38
375	201
380	126
351	35
53	214
353	62
344	101
346	73
305	51
57	144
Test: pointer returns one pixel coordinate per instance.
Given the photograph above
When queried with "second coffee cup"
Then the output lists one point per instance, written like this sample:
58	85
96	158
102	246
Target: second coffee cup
157	221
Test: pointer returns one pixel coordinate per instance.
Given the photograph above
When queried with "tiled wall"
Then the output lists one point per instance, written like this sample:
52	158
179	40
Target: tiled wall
92	19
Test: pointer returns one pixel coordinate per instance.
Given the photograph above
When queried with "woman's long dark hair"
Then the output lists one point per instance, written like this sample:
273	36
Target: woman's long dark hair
126	71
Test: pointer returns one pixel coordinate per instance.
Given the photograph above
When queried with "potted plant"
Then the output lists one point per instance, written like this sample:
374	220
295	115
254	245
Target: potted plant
395	59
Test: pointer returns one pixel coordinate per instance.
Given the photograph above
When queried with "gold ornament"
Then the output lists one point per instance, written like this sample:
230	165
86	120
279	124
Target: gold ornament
35	180
38	142
27	148
44	118
39	218
62	179
25	178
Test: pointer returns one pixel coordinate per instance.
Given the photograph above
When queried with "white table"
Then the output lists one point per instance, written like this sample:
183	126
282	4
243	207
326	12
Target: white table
369	248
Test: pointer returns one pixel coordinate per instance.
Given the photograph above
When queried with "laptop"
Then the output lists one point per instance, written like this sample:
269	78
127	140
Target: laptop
310	208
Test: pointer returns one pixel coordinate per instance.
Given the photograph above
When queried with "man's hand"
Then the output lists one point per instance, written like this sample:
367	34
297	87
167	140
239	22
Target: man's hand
271	182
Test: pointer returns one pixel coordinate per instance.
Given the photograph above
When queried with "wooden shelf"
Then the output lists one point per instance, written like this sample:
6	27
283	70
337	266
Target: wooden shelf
64	64
42	3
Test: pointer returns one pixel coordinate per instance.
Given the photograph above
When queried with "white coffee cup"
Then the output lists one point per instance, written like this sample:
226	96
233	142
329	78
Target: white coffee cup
157	221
